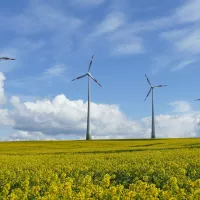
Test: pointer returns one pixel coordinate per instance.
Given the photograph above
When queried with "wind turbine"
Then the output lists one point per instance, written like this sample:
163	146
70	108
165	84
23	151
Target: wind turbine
151	90
88	132
6	58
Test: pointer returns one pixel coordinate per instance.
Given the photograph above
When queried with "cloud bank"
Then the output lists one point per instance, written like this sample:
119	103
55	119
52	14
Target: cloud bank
50	119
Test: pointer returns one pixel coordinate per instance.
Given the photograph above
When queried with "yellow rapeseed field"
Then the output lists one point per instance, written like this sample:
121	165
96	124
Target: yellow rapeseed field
105	169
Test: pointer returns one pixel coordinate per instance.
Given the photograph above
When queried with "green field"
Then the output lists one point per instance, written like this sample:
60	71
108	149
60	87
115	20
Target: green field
101	169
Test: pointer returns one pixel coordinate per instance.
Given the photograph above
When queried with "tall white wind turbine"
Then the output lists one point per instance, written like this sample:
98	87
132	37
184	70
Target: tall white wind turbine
88	132
151	90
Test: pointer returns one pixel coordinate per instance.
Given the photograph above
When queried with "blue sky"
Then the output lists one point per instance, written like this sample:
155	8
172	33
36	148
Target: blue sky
53	42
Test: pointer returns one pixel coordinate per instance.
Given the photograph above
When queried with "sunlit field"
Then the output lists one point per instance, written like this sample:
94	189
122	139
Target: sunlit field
101	169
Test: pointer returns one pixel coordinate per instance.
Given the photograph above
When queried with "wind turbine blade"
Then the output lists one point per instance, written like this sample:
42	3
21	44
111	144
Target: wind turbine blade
90	63
79	77
148	80
95	80
197	99
6	58
160	86
148	94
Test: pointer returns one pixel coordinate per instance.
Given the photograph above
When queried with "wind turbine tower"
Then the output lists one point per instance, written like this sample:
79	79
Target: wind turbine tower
89	75
151	91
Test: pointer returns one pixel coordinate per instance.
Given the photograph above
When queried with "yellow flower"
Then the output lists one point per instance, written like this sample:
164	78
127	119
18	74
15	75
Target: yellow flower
106	180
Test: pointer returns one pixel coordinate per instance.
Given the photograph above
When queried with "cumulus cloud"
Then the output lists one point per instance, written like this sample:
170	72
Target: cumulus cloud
63	118
2	97
5	118
4	114
25	135
175	126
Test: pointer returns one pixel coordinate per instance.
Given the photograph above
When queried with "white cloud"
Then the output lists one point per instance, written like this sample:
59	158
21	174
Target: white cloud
129	48
152	24
38	18
190	43
161	62
25	135
189	12
186	40
48	123
184	36
5	118
118	35
183	64
62	116
38	26
175	34
181	106
86	3
183	39
185	49
4	113
112	22
2	96
121	32
174	61
46	79
56	70
175	126
121	35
